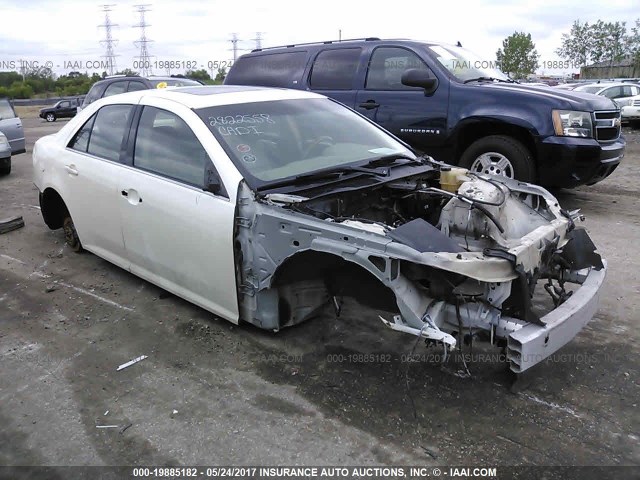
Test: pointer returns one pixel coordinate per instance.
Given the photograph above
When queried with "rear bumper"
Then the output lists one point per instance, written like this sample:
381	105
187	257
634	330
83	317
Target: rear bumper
569	162
532	344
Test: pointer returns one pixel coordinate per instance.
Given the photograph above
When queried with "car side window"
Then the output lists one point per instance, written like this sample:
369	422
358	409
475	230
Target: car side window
387	65
613	92
65	104
6	111
335	69
108	131
115	88
167	146
135	86
270	70
80	140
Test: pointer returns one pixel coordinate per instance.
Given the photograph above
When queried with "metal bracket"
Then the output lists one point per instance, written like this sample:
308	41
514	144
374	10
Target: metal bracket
429	331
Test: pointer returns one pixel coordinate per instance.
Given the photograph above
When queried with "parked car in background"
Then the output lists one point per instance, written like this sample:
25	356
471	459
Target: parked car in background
11	126
441	100
5	155
120	84
281	202
631	112
62	109
619	92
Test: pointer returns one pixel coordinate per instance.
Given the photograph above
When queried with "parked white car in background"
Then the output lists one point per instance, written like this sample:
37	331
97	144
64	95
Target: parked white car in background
619	92
5	155
266	205
631	112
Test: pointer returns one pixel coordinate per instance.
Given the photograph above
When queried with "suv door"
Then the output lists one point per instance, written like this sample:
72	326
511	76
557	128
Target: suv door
11	126
92	168
405	111
177	235
64	109
333	74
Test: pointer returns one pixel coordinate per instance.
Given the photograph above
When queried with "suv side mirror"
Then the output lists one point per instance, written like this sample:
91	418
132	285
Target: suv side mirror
212	182
415	77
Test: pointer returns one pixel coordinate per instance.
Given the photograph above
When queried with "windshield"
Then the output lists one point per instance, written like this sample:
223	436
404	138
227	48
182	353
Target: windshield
589	89
465	65
275	140
174	82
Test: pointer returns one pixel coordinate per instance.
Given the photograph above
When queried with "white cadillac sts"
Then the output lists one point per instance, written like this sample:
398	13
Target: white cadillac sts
267	205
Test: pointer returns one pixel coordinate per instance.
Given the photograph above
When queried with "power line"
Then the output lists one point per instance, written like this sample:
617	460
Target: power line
144	57
109	42
234	45
258	40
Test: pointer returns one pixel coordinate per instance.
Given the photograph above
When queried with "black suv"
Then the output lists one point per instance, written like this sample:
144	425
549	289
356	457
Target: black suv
444	101
62	109
120	84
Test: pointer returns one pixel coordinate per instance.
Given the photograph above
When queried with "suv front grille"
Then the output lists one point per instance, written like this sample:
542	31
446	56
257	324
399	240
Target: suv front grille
607	125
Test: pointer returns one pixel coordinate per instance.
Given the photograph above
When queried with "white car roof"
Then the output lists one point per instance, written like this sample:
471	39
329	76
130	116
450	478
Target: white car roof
214	95
604	85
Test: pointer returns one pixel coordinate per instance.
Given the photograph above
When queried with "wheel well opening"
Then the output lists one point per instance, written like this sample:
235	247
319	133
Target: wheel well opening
310	279
475	131
53	208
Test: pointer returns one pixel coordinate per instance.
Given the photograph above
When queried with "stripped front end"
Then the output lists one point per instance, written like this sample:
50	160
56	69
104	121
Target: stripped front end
445	258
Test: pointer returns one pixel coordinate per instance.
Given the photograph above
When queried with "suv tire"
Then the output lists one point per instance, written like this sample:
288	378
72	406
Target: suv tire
500	155
50	117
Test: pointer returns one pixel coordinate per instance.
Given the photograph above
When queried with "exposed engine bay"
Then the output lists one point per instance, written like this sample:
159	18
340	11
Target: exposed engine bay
447	253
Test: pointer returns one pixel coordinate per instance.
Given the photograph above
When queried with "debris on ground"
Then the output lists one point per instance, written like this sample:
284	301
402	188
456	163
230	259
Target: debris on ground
12	223
107	426
124	429
132	362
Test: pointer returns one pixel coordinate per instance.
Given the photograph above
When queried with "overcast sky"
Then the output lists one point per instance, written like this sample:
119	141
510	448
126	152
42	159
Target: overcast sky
67	31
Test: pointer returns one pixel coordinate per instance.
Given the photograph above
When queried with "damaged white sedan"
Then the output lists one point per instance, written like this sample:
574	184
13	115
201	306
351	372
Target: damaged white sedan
263	206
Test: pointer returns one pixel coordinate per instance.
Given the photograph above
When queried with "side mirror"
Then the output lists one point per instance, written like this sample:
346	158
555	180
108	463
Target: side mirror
414	77
212	182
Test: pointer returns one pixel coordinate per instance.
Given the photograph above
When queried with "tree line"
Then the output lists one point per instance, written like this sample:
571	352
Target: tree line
43	82
584	44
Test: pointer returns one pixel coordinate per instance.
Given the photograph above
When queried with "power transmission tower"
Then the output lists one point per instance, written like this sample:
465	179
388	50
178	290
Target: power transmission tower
258	40
144	57
109	42
234	45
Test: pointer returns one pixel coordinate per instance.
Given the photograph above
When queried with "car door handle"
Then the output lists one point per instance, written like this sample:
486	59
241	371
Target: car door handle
369	104
134	198
71	170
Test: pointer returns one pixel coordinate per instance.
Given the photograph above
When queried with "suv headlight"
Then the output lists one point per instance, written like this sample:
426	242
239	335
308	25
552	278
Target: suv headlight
3	140
570	123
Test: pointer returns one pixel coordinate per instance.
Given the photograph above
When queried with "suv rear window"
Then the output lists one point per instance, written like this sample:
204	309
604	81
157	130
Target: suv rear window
270	70
335	69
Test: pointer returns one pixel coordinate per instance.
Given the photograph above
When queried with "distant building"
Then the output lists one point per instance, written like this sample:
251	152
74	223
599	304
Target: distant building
624	68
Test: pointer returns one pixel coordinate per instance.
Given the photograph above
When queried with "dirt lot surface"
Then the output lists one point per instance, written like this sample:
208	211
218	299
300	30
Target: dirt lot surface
213	393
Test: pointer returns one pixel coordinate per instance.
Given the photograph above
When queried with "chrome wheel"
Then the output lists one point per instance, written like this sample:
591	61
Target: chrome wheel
493	163
50	117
